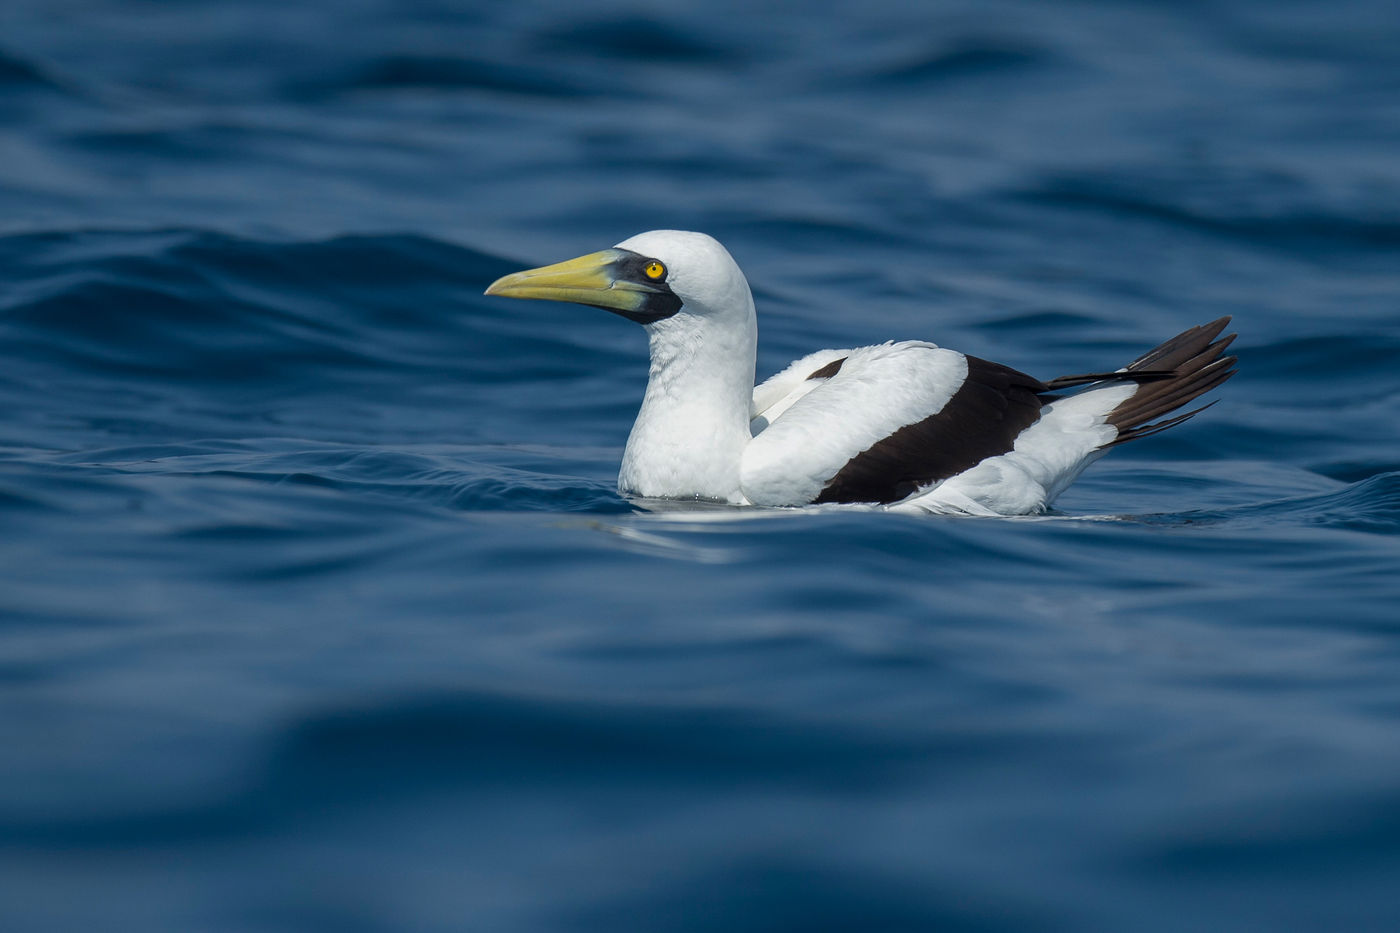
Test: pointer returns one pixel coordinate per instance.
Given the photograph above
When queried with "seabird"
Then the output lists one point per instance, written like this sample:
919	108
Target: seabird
905	424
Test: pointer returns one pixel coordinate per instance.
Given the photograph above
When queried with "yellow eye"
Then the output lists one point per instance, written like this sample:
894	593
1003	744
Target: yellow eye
655	270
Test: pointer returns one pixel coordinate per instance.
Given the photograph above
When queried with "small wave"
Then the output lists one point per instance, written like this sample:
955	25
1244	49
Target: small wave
448	73
1040	323
17	72
1269	209
967	58
792	891
1345	835
489	740
15	500
493	735
642	39
204	141
1354	471
1371	505
451	478
1329	355
210	307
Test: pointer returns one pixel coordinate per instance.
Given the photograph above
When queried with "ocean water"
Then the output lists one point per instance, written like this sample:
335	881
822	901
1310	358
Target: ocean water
319	609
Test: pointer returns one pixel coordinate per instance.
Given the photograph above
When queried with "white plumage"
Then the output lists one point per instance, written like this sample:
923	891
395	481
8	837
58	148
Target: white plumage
877	391
906	425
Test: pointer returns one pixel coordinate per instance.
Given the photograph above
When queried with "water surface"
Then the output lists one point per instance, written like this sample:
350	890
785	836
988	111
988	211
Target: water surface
318	606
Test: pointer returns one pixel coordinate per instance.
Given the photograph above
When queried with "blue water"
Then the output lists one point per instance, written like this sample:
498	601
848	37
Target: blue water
318	607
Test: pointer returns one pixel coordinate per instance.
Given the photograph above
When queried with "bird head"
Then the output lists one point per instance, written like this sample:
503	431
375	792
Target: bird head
647	278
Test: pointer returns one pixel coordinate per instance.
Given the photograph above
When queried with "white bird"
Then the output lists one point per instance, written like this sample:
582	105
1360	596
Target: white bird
907	424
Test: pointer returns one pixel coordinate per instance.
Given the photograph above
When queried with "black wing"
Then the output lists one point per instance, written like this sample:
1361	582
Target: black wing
982	419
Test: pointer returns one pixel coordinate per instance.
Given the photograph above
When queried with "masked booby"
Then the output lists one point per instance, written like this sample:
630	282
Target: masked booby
905	424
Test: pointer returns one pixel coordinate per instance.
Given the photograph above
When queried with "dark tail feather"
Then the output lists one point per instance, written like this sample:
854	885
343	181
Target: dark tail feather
1193	363
1142	375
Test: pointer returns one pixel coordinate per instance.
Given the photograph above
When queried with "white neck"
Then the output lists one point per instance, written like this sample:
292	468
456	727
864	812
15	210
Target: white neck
691	432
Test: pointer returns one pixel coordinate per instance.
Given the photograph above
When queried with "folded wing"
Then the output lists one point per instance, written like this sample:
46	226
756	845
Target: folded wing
878	423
